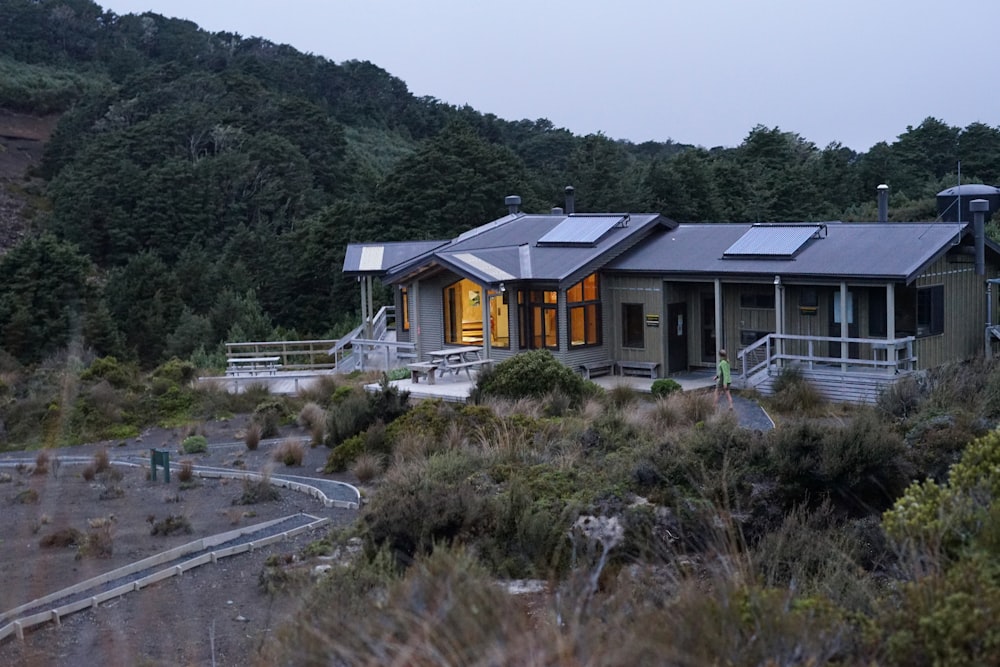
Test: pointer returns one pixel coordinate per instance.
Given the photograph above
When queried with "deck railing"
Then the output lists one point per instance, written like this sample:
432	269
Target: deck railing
889	356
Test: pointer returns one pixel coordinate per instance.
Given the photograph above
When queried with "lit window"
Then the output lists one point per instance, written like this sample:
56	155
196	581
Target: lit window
584	308
538	319
463	313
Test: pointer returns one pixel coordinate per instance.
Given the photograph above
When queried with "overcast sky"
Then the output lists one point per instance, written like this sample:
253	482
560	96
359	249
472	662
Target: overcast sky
696	71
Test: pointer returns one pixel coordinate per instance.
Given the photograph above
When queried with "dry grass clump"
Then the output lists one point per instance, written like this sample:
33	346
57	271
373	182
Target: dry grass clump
367	467
42	463
175	523
258	489
26	497
313	417
99	541
64	537
291	452
102	461
252	436
185	474
89	472
506	407
621	395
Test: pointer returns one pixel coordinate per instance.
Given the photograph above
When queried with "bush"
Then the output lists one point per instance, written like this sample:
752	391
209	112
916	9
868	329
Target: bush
367	467
313	417
175	523
258	490
533	373
119	375
194	444
793	393
176	371
102	461
42	463
269	415
252	436
664	387
185	474
290	452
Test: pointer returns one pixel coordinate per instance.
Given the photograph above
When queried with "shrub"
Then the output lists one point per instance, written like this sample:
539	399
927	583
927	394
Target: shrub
176	371
269	415
42	463
194	444
533	373
119	375
349	415
793	393
64	537
102	461
313	417
99	541
89	472
366	467
175	523
290	452
252	436
26	497
258	489
621	395
185	474
373	441
664	387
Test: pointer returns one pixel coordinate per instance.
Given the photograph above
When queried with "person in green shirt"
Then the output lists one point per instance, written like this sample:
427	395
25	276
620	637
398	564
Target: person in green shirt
723	378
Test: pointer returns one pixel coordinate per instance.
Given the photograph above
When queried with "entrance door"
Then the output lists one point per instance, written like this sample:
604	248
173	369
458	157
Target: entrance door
853	349
708	329
677	337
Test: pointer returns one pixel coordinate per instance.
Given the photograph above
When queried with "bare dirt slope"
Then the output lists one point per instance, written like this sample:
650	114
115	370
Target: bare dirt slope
22	140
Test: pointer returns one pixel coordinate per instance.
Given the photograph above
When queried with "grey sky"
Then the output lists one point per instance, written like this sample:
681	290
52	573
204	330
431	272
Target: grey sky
695	71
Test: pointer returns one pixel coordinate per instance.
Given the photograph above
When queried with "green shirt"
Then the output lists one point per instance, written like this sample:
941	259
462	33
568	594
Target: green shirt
724	373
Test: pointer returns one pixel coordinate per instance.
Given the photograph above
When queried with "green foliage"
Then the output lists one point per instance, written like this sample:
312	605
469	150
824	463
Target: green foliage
792	393
40	89
175	371
194	444
117	374
269	415
947	519
664	387
533	373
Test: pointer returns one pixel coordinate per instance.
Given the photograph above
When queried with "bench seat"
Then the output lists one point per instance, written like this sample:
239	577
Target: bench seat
595	368
467	365
422	368
643	367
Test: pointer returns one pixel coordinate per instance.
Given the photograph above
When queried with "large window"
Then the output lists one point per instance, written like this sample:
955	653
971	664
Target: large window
537	319
757	300
930	310
584	306
633	325
463	313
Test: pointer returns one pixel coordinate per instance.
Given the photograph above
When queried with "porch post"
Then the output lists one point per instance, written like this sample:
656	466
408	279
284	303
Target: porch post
718	317
364	298
844	330
487	329
779	318
370	320
415	319
890	324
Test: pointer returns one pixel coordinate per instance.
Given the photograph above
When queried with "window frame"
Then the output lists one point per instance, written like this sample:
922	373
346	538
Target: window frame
532	305
930	310
583	301
628	342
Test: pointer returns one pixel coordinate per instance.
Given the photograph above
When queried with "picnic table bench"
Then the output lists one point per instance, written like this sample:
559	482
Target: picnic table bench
253	365
425	368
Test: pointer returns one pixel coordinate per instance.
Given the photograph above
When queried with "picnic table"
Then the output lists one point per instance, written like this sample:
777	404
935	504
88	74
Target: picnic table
455	359
253	365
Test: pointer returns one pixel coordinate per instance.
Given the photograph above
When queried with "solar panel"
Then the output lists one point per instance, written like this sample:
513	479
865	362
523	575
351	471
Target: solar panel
772	241
371	258
582	230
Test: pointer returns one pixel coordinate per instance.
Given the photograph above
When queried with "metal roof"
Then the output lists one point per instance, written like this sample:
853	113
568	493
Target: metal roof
377	258
509	249
883	251
777	240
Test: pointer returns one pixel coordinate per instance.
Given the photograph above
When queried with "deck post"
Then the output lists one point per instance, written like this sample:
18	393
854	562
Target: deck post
890	326
844	330
718	318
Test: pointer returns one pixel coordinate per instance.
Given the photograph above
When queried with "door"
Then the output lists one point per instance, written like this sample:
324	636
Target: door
677	337
853	349
708	329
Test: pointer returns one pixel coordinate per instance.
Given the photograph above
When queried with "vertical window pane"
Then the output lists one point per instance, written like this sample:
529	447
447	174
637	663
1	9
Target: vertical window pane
633	334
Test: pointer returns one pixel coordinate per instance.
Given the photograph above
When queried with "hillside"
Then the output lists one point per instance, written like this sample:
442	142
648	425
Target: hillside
22	141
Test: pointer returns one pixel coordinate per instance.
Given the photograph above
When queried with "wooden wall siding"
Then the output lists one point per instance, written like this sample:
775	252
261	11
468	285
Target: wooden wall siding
649	291
431	312
964	311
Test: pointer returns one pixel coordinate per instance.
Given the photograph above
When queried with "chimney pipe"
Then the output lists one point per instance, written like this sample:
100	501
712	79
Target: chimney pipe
556	210
979	207
570	200
883	202
513	203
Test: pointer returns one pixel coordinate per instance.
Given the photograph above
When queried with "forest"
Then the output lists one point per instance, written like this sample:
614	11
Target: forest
200	188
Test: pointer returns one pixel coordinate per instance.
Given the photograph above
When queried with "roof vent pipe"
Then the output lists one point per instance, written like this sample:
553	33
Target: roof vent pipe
513	203
570	200
979	207
883	202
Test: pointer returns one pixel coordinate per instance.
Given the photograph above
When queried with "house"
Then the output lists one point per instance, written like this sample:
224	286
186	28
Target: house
854	305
